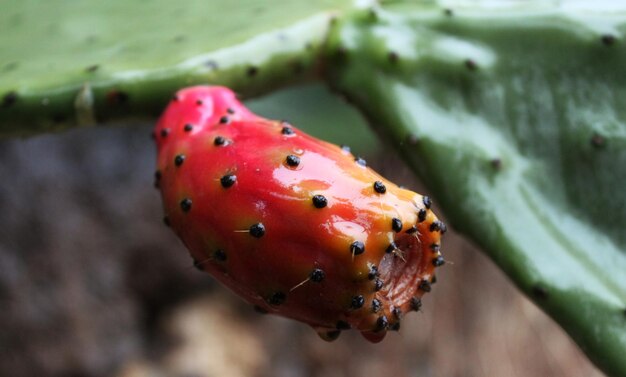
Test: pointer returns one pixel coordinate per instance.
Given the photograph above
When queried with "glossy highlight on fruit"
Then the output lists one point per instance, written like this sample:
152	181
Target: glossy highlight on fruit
294	225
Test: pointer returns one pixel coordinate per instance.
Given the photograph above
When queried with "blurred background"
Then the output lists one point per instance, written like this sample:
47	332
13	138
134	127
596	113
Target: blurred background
93	284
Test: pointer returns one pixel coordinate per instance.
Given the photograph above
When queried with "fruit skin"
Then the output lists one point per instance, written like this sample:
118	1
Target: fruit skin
296	226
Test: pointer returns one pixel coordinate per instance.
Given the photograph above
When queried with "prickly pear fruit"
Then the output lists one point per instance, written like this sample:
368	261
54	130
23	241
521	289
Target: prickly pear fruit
296	226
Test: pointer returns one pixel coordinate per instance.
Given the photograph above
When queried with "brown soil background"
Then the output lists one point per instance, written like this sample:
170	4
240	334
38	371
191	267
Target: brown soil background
93	284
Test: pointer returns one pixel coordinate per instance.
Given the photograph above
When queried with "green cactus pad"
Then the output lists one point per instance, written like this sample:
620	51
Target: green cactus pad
67	63
517	122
